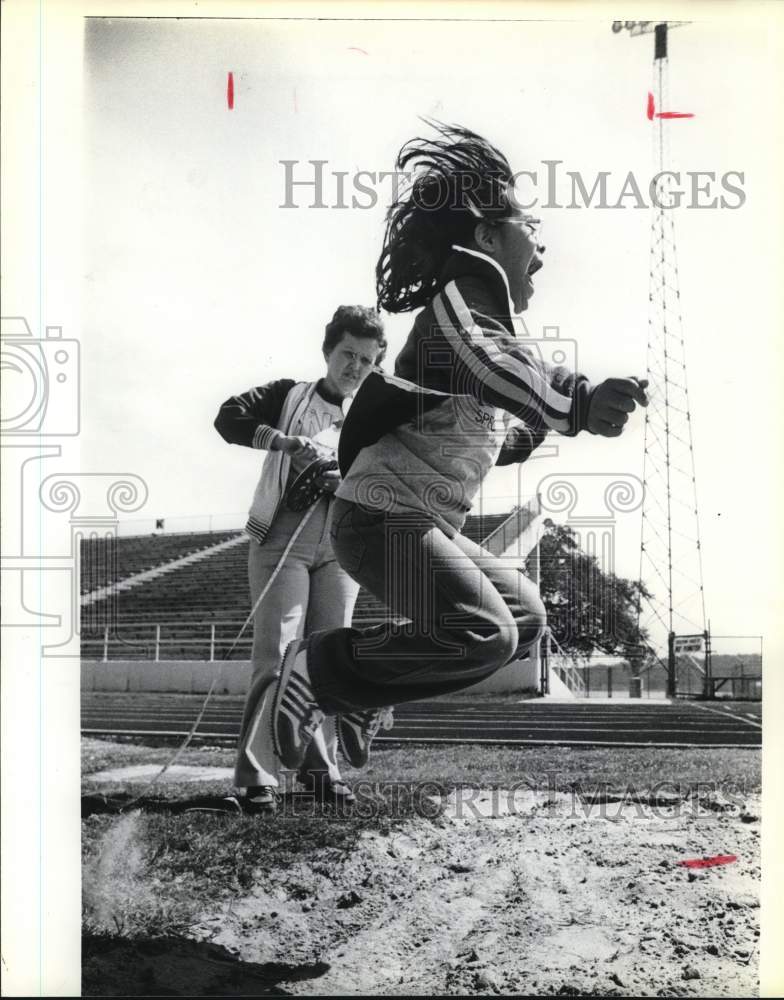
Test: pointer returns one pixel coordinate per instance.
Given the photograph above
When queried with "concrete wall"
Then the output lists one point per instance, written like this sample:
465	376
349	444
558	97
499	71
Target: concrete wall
522	675
182	676
195	676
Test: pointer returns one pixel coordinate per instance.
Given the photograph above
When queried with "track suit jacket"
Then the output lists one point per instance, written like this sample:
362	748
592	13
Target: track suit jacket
256	417
468	393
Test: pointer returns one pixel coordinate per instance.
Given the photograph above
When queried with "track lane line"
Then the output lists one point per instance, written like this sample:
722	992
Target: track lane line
732	715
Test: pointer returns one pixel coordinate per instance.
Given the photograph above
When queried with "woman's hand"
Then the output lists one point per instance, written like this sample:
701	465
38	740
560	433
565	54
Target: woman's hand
297	444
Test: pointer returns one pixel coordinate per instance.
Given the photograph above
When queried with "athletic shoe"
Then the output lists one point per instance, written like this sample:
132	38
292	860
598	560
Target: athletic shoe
337	792
295	714
323	789
260	800
356	731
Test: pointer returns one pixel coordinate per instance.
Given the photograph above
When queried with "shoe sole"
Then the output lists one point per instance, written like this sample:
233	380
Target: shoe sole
326	794
340	799
350	758
286	667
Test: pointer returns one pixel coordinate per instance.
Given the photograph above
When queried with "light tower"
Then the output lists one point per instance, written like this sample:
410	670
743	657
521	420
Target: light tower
670	549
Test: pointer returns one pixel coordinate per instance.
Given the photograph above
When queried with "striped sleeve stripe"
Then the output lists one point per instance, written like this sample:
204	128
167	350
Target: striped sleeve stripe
515	397
552	402
263	436
257	530
519	385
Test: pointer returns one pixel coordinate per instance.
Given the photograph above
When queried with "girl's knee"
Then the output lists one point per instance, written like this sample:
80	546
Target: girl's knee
531	627
482	644
500	644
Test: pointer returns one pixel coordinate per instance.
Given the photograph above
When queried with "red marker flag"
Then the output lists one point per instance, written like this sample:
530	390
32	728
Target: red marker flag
230	91
651	112
720	859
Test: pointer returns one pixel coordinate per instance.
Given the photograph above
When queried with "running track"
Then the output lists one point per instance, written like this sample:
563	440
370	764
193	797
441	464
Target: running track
527	723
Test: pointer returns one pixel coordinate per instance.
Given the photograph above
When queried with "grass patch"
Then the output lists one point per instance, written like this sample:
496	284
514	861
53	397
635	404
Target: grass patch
561	768
545	767
123	751
147	875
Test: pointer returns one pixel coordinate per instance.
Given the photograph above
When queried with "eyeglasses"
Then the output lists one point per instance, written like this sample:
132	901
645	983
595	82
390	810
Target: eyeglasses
533	228
531	223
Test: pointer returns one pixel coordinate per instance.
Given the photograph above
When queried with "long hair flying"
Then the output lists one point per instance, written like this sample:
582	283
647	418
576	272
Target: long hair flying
456	179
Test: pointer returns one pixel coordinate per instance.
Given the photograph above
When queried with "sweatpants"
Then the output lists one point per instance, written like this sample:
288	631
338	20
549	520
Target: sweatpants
469	613
310	592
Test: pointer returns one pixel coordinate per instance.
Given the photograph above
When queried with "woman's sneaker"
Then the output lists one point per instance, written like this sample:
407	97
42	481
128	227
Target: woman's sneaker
260	800
324	789
295	714
356	731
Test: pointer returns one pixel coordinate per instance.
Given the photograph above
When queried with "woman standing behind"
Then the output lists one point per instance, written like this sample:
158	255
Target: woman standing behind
311	591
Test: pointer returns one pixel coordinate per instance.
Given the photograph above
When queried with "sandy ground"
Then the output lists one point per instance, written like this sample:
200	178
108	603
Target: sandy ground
542	900
532	895
535	893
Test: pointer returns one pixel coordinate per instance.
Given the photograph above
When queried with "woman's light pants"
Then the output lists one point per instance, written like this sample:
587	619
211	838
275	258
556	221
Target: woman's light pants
310	593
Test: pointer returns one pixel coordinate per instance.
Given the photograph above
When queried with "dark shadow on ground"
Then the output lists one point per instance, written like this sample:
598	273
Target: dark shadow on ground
96	804
178	967
400	800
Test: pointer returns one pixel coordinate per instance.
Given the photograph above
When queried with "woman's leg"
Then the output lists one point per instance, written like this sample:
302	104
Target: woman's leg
277	622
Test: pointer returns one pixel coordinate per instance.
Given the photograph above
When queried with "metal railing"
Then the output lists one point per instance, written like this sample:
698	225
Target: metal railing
737	687
564	665
151	639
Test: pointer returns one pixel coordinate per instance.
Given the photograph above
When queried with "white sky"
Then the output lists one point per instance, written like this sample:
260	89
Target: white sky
141	215
198	285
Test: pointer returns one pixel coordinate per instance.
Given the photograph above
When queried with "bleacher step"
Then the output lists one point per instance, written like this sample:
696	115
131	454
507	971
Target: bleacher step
151	574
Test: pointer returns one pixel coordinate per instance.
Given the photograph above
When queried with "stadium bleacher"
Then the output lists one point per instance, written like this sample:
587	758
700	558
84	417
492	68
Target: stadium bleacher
107	560
191	611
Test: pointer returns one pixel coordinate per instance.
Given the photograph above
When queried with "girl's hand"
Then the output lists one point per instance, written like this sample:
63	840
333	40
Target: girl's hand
612	402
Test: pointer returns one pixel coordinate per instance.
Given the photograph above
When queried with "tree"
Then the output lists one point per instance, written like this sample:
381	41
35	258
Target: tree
588	609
